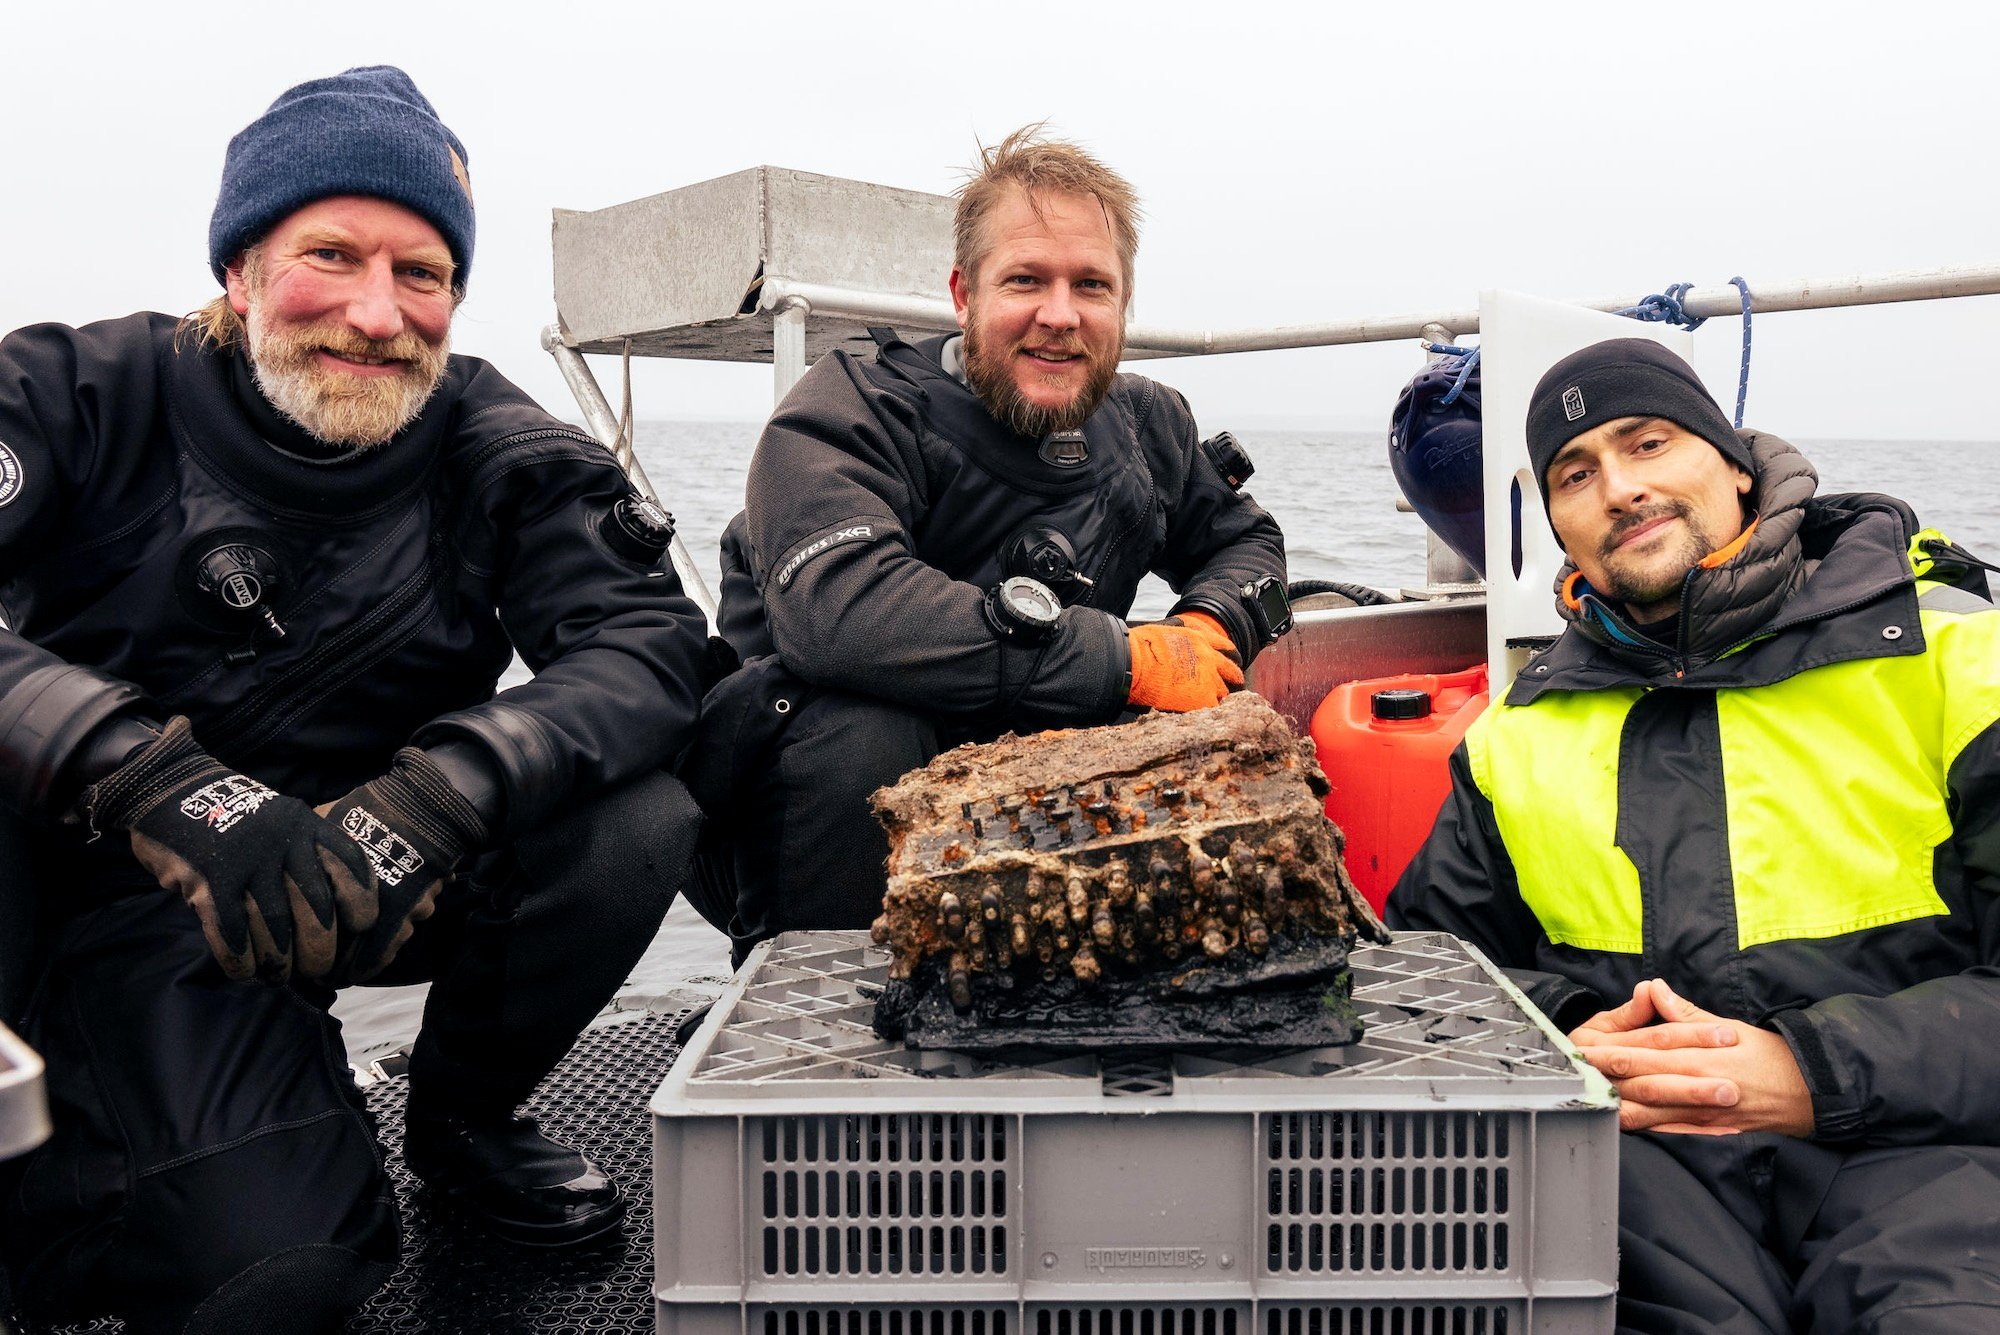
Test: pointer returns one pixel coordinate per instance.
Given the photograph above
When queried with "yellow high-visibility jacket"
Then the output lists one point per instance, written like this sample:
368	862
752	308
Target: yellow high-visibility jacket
1792	817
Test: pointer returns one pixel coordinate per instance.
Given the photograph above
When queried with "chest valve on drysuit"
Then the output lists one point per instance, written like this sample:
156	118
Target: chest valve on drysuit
1041	553
229	580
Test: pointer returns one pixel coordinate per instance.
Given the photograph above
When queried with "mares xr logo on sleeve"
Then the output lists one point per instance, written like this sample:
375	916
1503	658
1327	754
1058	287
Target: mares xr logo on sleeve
850	532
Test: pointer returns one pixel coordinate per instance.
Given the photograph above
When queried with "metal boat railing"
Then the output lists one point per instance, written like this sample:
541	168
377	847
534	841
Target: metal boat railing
776	265
1146	341
791	304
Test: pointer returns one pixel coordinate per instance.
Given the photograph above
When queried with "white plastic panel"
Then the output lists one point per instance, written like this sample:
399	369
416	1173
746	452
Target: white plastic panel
24	1109
1521	338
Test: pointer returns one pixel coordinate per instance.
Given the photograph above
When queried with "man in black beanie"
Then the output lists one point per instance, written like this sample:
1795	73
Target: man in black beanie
261	570
1738	832
1619	408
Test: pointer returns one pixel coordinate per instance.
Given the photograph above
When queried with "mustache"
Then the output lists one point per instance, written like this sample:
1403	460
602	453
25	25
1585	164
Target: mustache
1638	519
1070	347
344	342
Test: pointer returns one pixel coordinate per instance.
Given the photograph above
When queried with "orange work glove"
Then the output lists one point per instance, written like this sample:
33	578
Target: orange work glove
1185	662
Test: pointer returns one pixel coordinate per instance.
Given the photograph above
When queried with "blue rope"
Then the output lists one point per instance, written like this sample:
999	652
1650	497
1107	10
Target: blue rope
1471	356
1743	375
1667	308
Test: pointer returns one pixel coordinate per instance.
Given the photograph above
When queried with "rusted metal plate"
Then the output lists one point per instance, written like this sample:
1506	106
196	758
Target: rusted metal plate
1170	881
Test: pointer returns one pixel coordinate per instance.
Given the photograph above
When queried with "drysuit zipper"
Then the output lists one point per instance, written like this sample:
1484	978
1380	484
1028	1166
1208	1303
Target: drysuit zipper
1145	516
276	705
390	624
361	644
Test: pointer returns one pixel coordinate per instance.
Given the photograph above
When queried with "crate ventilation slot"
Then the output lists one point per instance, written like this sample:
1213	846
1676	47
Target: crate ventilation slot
1138	1320
1381	1319
883	1195
910	1320
1389	1192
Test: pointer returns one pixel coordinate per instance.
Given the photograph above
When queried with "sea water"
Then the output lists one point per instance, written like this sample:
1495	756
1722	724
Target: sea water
1331	492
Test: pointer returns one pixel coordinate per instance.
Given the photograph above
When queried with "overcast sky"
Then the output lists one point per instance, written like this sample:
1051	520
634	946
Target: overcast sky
1298	163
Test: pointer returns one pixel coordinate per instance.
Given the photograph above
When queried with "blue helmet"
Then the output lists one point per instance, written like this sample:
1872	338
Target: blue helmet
1434	450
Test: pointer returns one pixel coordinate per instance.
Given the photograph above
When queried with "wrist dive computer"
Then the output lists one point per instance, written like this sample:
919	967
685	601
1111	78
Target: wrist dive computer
1270	610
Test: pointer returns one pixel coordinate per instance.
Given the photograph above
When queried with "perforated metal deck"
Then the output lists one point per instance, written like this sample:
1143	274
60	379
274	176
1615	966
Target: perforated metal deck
455	1280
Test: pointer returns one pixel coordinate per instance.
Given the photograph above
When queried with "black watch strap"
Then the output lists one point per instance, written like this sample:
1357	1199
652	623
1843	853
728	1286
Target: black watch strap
1269	607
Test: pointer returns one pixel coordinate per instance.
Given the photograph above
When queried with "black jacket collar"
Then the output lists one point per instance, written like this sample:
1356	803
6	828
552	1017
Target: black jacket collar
211	423
954	412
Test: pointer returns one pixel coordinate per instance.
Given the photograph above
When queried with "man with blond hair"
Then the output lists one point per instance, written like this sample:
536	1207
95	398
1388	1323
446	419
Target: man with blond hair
261	570
940	544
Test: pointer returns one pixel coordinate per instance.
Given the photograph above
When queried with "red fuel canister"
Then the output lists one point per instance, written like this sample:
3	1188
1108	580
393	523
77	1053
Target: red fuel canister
1385	744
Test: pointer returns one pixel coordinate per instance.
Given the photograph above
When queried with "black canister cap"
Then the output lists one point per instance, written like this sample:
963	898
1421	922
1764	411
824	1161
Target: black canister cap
1400	704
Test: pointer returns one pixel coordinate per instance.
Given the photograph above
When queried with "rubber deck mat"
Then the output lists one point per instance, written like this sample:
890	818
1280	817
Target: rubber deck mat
456	1280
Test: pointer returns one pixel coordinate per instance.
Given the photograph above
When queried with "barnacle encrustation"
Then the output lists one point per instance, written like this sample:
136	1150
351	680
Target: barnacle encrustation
1169	881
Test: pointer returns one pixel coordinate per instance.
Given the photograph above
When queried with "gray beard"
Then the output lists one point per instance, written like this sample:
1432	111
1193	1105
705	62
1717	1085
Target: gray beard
362	417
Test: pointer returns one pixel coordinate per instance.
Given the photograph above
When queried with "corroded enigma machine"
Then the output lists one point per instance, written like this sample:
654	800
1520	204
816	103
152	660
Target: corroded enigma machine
1169	882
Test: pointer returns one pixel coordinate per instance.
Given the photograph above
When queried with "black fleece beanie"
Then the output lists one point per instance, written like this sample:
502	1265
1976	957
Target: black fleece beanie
1622	377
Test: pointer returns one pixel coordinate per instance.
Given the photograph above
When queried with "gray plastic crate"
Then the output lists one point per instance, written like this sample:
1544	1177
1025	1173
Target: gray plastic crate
1454	1172
24	1109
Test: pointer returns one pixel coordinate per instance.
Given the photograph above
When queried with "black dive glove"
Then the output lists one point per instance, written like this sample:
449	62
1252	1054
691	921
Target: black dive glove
265	873
414	826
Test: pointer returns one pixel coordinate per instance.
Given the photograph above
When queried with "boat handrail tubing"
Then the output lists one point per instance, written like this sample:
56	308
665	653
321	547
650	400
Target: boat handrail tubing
790	303
1141	339
602	422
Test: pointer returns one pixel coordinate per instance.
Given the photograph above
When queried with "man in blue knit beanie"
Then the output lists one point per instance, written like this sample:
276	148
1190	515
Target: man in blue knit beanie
261	569
367	140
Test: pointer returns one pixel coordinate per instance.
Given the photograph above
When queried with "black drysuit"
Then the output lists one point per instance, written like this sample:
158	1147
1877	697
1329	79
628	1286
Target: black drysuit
879	504
209	1145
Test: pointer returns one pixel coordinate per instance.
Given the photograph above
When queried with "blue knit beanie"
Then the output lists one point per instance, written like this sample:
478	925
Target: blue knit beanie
367	131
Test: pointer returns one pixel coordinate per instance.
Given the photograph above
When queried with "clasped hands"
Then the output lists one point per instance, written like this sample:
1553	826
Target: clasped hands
1680	1068
280	887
